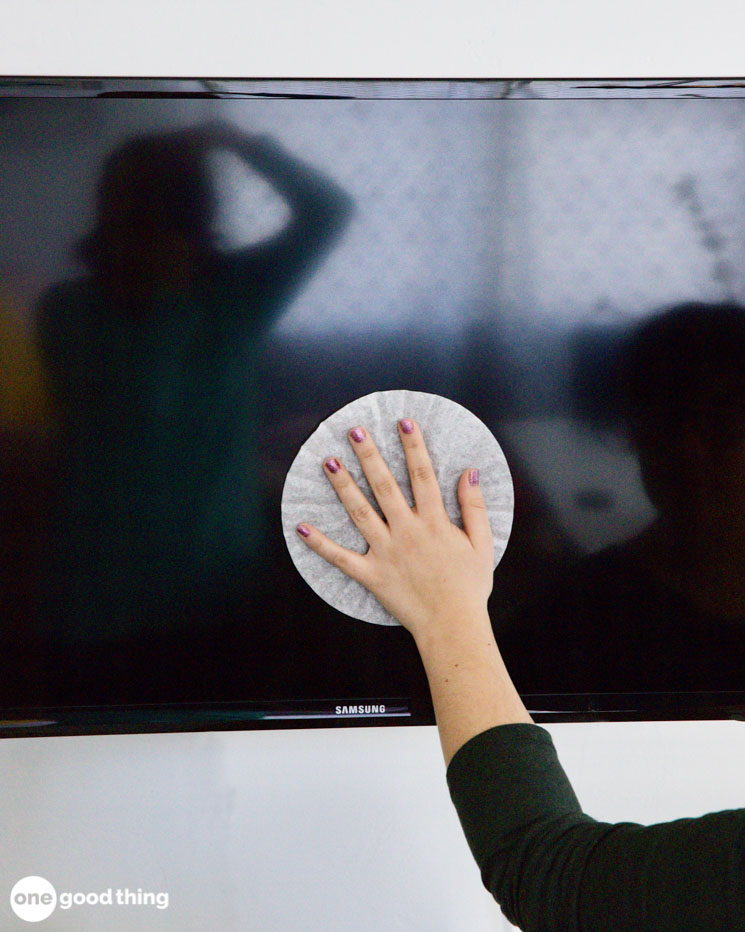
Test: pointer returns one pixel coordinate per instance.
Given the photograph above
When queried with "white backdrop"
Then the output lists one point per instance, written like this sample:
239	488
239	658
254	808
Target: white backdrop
343	830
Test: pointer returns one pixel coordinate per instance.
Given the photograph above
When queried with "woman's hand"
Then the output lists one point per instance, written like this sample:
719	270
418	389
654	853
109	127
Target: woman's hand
425	571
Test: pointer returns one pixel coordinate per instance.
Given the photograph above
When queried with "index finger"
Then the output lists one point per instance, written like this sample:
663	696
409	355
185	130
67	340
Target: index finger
424	484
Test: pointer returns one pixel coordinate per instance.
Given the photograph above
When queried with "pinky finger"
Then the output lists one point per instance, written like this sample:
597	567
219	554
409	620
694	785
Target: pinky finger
352	564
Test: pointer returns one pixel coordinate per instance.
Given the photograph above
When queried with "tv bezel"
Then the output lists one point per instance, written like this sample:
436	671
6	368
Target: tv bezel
47	721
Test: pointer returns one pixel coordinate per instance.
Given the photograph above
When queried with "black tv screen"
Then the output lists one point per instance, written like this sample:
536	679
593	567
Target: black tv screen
195	273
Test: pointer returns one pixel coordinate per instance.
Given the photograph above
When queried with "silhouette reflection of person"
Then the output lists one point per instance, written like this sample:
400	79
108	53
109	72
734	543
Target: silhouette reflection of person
664	610
151	360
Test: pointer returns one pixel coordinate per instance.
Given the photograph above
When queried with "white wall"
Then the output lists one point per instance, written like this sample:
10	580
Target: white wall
318	830
334	830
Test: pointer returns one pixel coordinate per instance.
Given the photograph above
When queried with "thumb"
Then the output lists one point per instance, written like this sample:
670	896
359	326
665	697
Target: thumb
473	510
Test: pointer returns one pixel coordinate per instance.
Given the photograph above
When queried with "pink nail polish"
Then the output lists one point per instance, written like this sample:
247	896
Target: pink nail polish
332	465
358	434
304	530
473	477
406	426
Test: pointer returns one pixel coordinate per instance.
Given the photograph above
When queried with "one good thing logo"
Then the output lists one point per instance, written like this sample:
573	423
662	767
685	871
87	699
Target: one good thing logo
34	898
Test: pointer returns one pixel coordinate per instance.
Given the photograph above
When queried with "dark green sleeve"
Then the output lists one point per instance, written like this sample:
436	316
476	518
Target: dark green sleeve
552	868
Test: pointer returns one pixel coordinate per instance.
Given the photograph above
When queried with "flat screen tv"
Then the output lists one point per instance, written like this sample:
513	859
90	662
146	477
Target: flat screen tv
195	273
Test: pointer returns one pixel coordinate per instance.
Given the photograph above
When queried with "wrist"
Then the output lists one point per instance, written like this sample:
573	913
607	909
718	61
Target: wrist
455	630
470	686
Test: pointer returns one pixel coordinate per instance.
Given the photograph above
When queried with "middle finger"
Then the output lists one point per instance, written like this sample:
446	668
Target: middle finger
385	488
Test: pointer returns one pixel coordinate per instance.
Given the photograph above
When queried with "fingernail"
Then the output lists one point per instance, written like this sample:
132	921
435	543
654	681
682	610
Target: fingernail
332	465
473	477
406	426
358	434
303	530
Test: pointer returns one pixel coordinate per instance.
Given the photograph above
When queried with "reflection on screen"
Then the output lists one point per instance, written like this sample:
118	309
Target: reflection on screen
189	287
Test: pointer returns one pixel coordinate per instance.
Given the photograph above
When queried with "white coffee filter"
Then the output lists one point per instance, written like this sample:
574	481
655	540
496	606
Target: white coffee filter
456	440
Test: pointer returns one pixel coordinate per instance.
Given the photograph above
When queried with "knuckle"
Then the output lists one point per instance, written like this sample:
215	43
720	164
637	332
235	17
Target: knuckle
383	489
342	481
366	452
478	503
361	513
407	539
341	561
435	523
422	473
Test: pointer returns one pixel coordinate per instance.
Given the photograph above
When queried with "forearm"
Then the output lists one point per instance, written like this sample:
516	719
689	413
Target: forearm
470	686
306	189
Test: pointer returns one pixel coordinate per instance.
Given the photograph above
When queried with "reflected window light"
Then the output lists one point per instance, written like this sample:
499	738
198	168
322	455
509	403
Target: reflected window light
250	210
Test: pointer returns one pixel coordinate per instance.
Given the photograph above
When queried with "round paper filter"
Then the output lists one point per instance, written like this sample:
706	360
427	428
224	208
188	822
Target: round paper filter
456	440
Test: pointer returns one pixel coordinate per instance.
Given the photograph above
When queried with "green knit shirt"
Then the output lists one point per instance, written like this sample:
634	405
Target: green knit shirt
551	867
